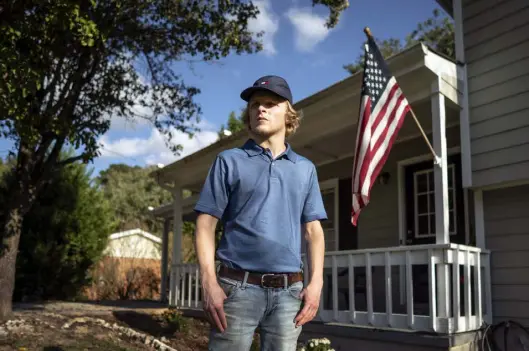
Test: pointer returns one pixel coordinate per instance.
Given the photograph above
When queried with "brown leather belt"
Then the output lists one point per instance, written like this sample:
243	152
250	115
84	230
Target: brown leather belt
266	280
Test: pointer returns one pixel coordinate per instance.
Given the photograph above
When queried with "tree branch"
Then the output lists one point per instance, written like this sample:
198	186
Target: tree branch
40	153
70	160
50	89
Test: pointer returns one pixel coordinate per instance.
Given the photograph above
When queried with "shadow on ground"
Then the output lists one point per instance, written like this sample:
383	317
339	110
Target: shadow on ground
129	304
144	322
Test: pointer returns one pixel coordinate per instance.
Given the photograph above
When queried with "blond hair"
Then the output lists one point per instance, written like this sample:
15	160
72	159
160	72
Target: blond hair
292	119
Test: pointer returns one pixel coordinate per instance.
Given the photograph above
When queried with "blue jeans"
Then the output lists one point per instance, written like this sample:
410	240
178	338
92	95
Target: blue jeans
249	306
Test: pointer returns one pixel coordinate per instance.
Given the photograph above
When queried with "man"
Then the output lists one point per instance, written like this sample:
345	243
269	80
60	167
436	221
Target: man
266	195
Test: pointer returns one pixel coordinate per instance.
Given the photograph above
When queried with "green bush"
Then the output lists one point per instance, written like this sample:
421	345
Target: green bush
63	236
175	319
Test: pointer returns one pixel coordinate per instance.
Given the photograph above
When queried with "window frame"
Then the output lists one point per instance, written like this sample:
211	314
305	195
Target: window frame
333	184
431	232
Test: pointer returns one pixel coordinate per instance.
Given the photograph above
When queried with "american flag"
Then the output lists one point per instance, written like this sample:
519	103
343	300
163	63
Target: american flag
382	110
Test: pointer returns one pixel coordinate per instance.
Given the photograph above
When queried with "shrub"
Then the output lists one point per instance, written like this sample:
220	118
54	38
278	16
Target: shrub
63	236
125	279
322	344
175	319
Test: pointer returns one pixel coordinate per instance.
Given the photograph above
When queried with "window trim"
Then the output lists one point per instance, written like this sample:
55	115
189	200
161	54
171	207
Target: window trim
401	165
451	173
334	185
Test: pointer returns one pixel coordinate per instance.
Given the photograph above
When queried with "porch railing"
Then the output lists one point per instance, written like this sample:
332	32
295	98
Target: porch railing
436	288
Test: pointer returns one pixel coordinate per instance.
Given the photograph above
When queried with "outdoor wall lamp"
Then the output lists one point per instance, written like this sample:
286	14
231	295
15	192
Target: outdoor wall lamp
383	178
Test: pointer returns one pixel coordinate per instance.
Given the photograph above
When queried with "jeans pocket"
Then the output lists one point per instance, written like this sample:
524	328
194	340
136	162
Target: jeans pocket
295	290
229	286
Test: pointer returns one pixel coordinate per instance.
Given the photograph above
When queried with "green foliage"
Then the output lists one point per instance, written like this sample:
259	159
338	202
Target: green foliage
130	191
437	32
322	344
63	236
174	318
335	7
5	166
66	64
234	125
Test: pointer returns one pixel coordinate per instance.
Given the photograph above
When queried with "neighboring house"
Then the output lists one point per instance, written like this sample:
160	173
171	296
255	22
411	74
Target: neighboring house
130	267
134	244
409	279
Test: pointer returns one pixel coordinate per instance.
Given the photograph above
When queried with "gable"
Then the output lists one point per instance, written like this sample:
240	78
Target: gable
133	246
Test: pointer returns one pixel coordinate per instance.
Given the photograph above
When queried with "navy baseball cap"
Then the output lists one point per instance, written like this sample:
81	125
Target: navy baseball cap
274	84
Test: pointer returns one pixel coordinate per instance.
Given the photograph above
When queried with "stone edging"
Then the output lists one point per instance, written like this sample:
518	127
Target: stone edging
131	333
22	324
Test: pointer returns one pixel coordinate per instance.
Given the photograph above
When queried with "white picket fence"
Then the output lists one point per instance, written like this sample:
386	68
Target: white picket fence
436	288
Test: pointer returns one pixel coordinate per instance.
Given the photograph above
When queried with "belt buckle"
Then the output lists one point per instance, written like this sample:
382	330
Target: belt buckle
276	276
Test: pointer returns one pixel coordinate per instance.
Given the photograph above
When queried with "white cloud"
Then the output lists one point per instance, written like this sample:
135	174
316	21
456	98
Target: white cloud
153	150
268	22
309	28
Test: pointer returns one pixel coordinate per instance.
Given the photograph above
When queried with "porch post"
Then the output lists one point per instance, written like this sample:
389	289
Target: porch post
165	245
442	234
177	244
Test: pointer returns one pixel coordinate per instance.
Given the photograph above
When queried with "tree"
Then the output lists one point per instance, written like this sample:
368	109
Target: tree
234	125
63	237
387	47
437	32
66	66
130	191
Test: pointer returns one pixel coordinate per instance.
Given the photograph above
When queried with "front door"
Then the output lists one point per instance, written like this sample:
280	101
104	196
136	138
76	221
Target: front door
420	215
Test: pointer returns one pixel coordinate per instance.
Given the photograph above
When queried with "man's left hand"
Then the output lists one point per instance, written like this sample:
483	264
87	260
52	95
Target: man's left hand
311	302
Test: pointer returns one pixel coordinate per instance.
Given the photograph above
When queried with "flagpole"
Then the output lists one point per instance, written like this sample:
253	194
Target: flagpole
436	158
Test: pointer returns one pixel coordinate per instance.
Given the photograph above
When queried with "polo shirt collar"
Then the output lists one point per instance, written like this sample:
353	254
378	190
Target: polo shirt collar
254	149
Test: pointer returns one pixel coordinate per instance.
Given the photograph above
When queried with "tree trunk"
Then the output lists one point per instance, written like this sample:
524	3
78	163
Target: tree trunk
30	175
12	228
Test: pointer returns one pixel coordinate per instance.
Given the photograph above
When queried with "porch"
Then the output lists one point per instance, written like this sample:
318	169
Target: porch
376	288
406	267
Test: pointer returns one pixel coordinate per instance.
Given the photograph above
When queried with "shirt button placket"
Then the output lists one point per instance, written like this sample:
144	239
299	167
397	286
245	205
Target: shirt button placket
273	171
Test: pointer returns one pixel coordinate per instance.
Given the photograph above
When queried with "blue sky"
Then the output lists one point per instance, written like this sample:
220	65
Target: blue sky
296	46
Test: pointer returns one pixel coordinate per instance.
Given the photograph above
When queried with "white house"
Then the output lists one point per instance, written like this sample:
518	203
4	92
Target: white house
134	244
406	279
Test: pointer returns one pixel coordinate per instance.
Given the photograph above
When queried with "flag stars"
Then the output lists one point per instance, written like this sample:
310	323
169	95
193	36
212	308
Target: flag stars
375	79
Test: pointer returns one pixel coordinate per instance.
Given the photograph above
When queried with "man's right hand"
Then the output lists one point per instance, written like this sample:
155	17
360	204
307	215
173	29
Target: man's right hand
214	297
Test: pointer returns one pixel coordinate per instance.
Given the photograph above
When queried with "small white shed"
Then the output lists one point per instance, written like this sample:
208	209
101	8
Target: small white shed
134	243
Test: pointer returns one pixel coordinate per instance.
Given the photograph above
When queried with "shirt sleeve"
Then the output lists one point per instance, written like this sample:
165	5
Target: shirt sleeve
213	198
313	208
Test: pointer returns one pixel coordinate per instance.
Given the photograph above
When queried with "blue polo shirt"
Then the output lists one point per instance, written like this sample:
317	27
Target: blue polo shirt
262	203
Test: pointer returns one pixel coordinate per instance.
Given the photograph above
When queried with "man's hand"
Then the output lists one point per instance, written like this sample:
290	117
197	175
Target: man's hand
311	301
214	297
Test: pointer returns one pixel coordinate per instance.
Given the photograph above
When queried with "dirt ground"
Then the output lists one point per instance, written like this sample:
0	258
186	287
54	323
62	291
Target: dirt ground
112	326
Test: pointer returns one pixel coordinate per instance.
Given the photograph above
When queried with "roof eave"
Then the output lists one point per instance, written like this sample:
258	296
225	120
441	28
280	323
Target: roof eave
414	53
447	5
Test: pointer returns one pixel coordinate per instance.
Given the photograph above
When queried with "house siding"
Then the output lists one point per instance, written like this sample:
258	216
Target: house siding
507	236
134	247
378	222
496	37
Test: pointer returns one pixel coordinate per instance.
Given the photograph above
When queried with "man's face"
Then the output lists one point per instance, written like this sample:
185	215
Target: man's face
267	114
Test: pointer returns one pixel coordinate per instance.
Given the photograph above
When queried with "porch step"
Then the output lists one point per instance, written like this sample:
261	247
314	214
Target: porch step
361	338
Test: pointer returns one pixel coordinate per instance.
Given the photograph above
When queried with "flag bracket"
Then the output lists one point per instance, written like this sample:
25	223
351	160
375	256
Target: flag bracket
437	159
